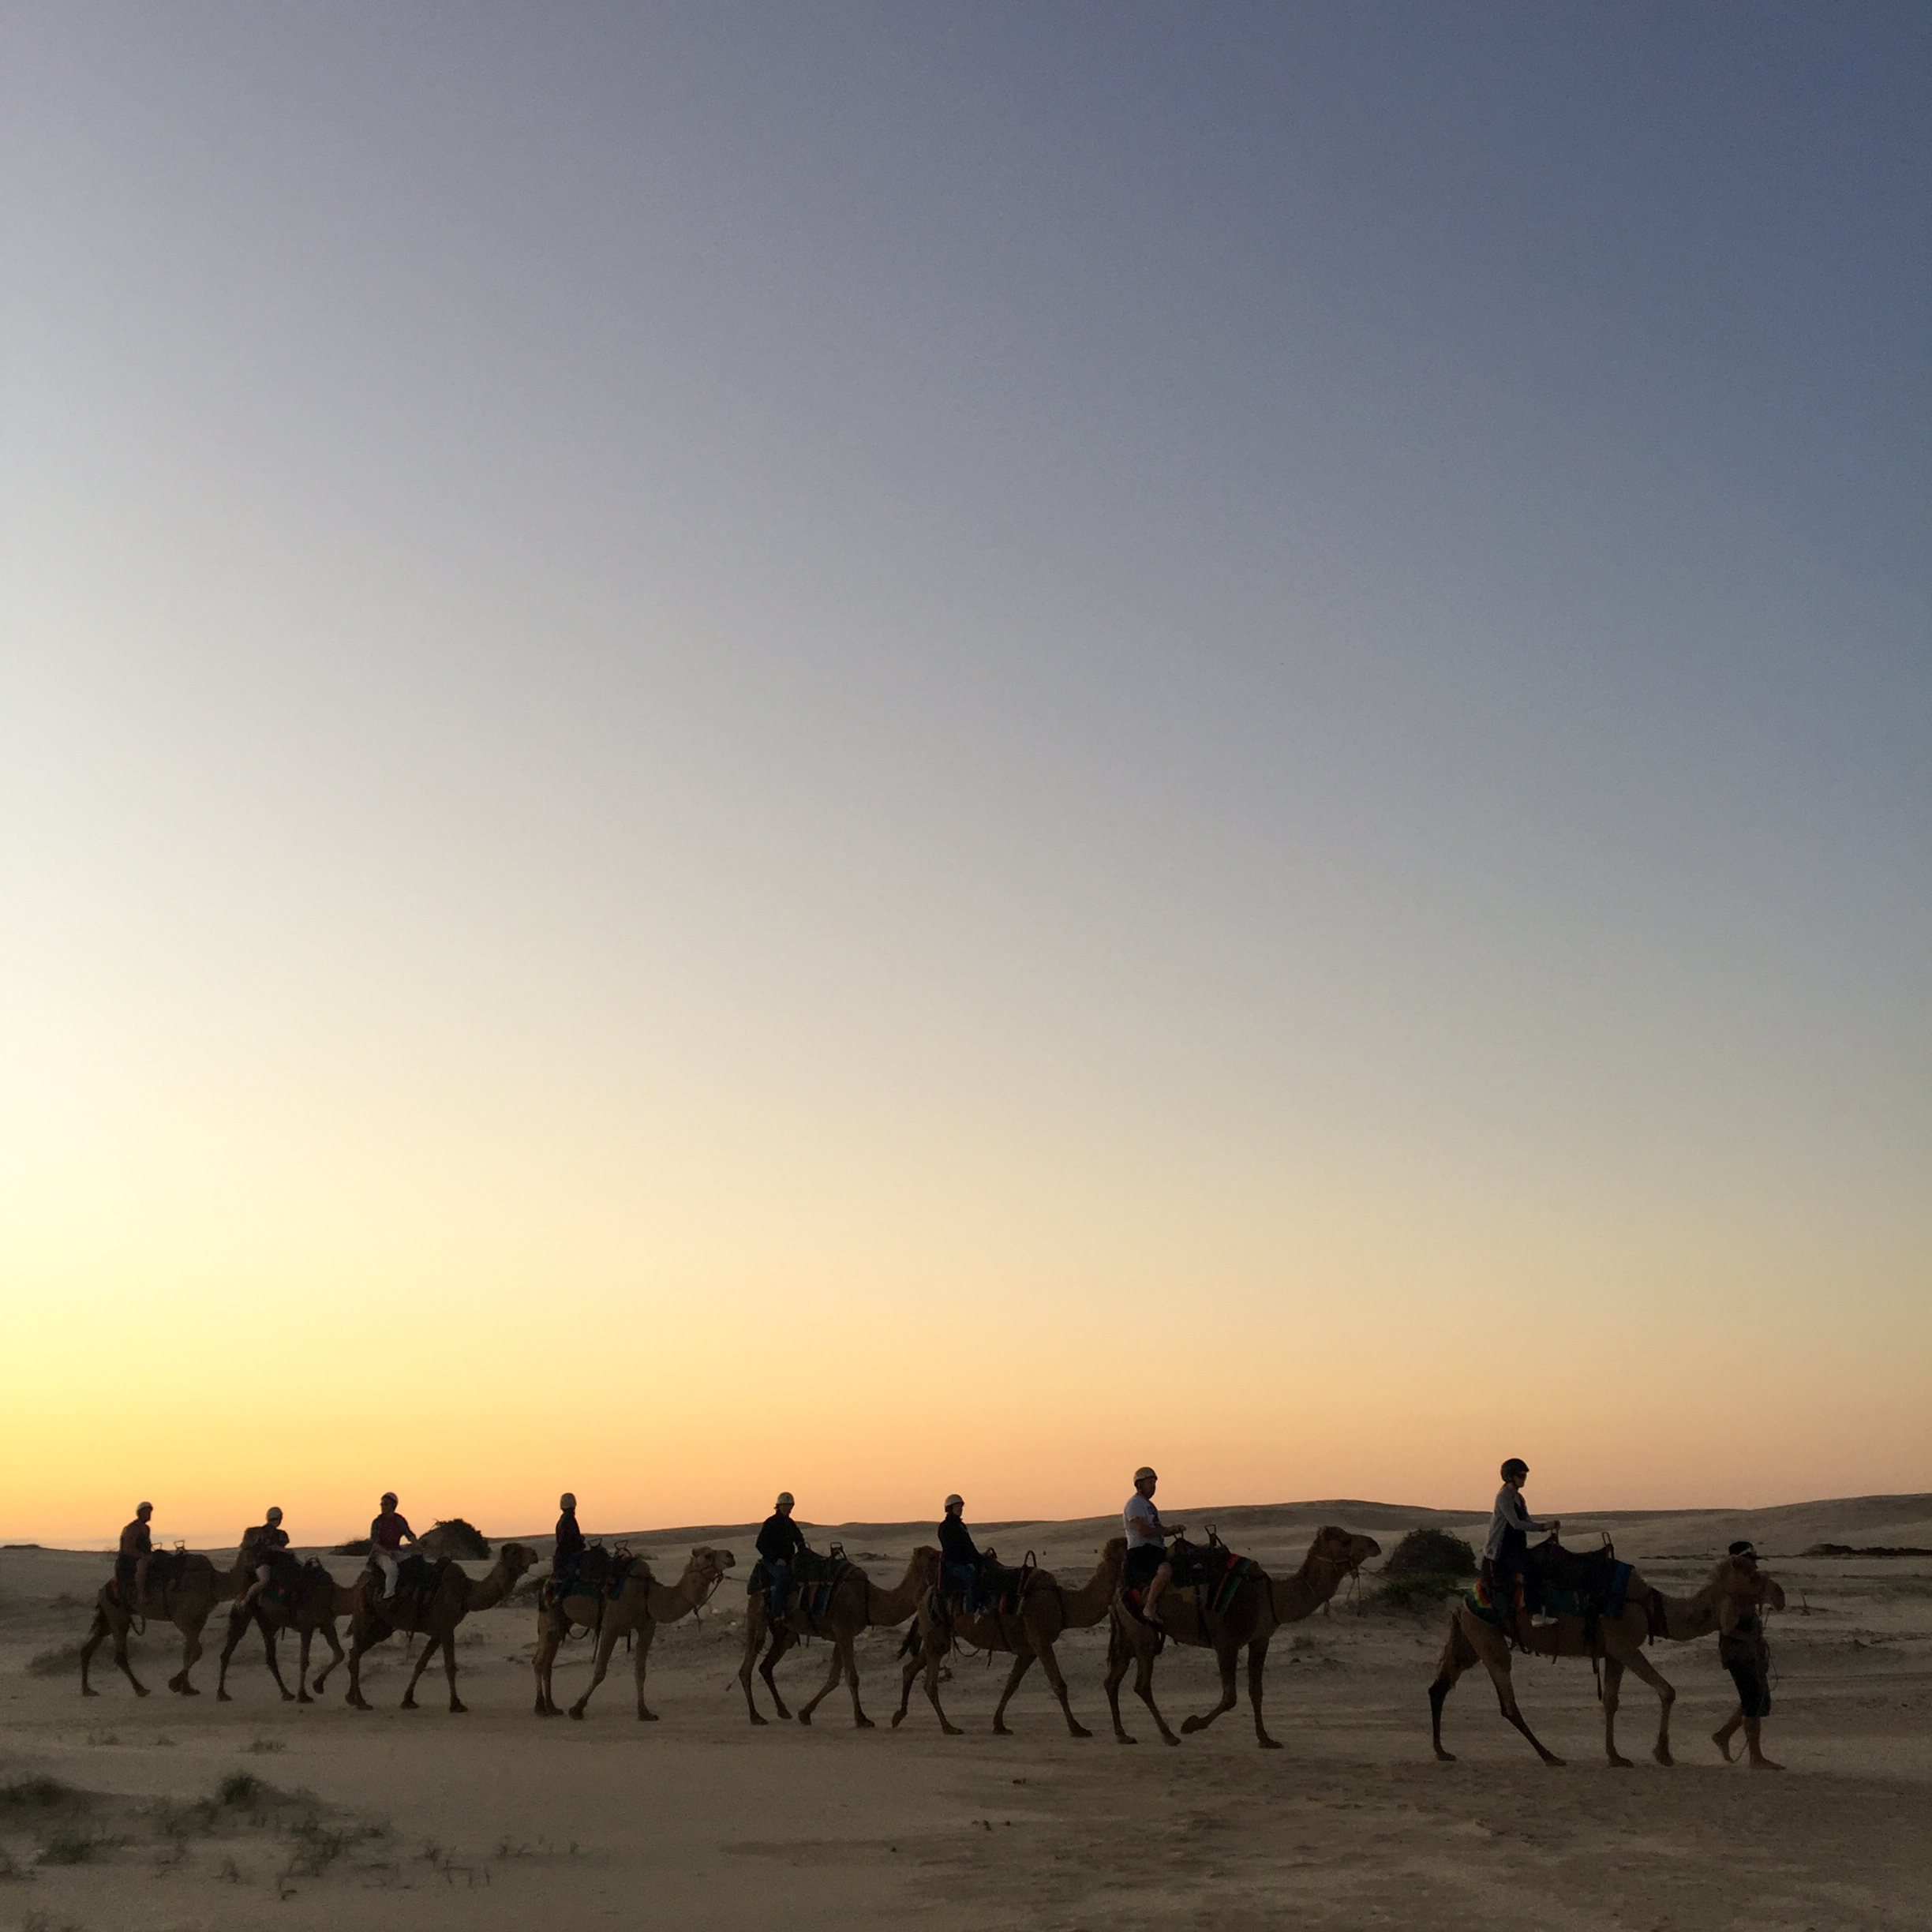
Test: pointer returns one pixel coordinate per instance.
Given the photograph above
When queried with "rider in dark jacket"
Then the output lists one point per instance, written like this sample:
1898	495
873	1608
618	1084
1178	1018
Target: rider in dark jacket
569	1539
781	1542
960	1554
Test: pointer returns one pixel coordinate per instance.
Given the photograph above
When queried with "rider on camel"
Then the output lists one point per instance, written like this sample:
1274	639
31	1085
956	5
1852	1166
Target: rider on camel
1506	1555
131	1562
961	1555
1147	1569
781	1542
262	1542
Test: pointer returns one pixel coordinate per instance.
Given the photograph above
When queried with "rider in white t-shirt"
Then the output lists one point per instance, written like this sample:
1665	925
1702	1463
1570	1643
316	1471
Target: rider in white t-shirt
1147	1569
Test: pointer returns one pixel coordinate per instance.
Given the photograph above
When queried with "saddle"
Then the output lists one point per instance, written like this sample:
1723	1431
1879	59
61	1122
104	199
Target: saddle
813	1579
417	1581
1208	1575
594	1571
1001	1588
1590	1584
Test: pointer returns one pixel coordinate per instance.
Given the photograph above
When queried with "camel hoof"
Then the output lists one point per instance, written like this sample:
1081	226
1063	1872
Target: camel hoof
757	1720
804	1717
288	1696
1663	1758
645	1717
89	1690
1267	1743
866	1724
458	1708
1190	1725
305	1698
1550	1759
222	1697
898	1719
1619	1764
1072	1730
140	1690
1444	1757
950	1730
1167	1737
408	1704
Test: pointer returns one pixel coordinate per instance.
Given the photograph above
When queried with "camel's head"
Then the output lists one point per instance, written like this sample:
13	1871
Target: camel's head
924	1568
1114	1555
711	1563
1747	1585
1341	1547
516	1557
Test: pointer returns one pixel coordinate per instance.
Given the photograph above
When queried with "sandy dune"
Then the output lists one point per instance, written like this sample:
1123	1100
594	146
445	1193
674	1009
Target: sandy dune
496	1819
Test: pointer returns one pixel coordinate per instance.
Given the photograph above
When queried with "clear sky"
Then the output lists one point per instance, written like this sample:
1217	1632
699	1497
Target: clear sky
890	749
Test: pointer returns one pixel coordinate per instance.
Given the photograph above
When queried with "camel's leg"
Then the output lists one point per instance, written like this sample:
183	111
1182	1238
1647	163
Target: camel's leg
600	1663
334	1644
422	1664
87	1650
1612	1687
859	1719
191	1655
1020	1666
782	1640
1498	1670
549	1635
830	1684
1641	1665
103	1624
237	1626
1225	1655
1143	1690
1459	1654
457	1705
305	1638
122	1634
275	1665
1055	1676
935	1656
913	1654
361	1642
754	1635
1120	1657
645	1632
1257	1664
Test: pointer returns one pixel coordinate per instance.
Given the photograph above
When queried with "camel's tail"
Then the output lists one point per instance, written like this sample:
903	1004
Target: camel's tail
911	1646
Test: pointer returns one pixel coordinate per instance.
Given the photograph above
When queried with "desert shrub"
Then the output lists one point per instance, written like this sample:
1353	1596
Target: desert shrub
55	1663
452	1537
73	1844
37	1790
1415	1593
1430	1552
240	1788
356	1546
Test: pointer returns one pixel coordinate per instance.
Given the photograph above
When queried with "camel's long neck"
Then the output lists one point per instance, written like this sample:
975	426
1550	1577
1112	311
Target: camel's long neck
668	1602
1086	1606
1306	1591
1686	1618
490	1588
895	1605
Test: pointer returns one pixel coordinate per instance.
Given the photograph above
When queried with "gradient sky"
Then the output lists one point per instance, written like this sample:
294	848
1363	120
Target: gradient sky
903	748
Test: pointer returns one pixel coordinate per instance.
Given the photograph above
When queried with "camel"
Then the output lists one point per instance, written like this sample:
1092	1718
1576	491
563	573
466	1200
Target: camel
641	1604
1046	1611
307	1599
182	1590
1260	1605
1473	1639
856	1604
434	1613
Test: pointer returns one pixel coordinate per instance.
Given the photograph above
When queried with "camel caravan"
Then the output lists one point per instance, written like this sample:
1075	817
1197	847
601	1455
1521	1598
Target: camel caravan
1151	1586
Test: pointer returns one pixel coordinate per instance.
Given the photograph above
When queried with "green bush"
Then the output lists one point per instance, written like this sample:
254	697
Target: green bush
1416	1592
1430	1552
458	1538
240	1788
37	1790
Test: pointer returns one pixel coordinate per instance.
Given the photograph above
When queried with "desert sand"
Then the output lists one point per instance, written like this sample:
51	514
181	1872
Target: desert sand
499	1819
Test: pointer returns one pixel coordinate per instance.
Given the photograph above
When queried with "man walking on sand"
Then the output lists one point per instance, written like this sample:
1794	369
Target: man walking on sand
1744	1652
387	1534
1147	1569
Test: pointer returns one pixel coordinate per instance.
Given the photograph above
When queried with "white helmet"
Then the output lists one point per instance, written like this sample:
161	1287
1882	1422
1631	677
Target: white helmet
784	1500
275	1515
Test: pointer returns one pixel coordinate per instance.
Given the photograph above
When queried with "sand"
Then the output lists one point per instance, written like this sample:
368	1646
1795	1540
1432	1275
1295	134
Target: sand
428	1819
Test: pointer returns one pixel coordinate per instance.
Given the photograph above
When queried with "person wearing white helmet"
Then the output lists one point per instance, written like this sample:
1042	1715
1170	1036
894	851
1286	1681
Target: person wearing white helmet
261	1542
1147	1568
1506	1554
781	1542
960	1556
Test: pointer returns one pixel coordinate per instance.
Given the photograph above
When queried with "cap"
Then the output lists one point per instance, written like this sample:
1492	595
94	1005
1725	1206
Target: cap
275	1515
566	1501
140	1507
1144	1474
784	1500
389	1496
956	1502
1515	1470
1745	1549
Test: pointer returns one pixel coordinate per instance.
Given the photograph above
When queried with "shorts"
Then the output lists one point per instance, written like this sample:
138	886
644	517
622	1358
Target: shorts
1752	1676
1141	1565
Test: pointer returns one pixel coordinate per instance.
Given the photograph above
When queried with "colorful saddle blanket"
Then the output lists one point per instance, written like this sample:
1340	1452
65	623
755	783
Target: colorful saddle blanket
1591	1587
592	1572
1210	1577
812	1591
